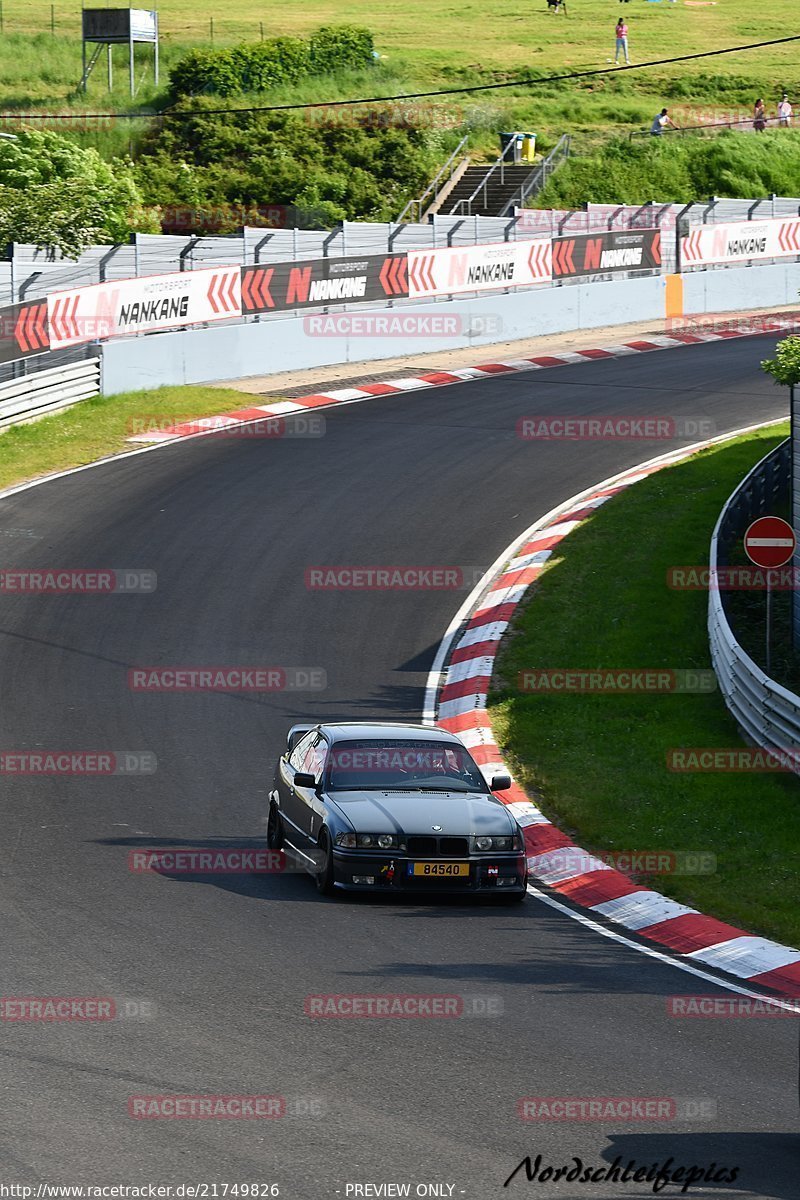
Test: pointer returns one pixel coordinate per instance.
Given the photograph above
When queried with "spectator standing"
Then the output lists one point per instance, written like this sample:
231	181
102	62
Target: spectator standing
622	40
785	112
660	121
759	116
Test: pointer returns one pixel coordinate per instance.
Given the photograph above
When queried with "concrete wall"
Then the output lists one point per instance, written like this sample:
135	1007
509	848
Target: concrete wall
269	346
741	287
278	344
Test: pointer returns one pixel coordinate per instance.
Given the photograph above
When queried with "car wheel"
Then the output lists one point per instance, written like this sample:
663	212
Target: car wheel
324	877
274	828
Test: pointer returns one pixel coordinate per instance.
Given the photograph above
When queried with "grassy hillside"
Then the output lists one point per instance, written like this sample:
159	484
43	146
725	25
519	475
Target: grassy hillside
434	36
423	43
680	168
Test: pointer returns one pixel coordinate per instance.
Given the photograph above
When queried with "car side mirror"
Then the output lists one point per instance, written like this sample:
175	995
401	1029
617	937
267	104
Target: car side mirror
500	783
304	779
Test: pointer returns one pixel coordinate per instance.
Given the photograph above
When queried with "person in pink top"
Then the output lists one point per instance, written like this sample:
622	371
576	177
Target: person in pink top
622	40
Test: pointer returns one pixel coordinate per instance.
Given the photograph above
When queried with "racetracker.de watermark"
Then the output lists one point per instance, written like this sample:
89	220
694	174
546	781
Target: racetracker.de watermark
616	1108
614	428
388	578
568	862
206	1107
401	323
733	579
402	1006
730	1007
300	425
745	759
732	325
227	679
549	681
60	1009
78	762
61	581
228	860
387	115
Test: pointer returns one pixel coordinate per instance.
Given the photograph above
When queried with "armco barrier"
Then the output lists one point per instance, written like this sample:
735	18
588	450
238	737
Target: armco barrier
45	392
767	713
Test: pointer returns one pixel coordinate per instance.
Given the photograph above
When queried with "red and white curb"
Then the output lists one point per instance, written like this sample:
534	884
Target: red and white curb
283	408
456	700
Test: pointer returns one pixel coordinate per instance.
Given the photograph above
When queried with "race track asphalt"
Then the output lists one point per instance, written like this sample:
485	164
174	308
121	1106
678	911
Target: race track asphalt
230	526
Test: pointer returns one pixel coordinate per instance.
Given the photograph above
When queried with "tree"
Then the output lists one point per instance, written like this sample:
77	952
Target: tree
785	366
57	194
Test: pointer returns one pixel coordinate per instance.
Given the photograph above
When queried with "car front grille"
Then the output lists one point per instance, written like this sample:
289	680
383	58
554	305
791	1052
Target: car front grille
432	847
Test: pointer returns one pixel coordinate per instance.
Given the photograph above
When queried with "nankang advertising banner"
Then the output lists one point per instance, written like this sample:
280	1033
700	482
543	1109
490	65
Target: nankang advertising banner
740	240
152	302
23	330
478	268
607	253
316	282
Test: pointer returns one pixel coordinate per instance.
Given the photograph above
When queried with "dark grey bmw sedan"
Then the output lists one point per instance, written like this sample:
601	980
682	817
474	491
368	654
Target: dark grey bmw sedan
383	807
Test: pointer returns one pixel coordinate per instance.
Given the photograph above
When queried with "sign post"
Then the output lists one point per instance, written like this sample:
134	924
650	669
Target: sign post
769	542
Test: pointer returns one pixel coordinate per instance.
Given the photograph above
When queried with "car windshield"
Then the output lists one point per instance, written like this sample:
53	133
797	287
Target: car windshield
402	765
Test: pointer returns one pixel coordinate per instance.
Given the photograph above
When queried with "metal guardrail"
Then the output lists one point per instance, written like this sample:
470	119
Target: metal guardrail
767	712
415	209
44	392
742	124
539	175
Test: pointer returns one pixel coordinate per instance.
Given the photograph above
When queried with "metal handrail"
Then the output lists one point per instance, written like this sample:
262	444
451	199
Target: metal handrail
539	175
415	207
747	122
458	210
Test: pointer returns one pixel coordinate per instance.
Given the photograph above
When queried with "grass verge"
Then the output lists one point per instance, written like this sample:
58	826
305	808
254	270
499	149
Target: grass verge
598	762
96	428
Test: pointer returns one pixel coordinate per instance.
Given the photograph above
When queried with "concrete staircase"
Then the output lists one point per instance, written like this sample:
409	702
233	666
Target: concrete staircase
498	193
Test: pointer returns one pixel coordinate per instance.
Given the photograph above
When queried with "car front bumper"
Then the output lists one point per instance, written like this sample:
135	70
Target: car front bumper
488	874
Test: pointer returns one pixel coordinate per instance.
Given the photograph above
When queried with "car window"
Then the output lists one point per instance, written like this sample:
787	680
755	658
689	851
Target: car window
297	756
316	757
402	765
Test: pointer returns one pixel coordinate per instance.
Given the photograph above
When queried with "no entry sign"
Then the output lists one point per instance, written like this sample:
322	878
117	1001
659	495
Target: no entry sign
769	542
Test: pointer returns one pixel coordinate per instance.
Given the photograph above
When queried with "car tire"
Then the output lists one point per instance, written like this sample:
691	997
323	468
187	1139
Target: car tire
274	828
324	878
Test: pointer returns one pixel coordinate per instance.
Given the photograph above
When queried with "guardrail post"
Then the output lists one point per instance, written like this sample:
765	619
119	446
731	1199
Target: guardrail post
678	219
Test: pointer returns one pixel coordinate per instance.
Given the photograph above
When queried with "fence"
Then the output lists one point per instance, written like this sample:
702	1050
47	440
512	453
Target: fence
768	713
30	273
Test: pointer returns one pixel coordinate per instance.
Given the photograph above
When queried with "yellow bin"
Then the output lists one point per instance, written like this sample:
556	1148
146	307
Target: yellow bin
529	147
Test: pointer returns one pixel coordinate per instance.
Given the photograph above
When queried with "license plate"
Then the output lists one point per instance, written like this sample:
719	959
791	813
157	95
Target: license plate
432	869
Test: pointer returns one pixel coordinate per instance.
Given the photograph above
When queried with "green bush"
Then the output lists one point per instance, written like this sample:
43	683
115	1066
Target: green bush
354	169
257	66
341	48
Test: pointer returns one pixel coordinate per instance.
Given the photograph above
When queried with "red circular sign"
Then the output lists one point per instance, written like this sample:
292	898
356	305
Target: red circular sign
769	542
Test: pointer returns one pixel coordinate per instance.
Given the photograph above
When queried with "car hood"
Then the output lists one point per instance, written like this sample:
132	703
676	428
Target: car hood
458	813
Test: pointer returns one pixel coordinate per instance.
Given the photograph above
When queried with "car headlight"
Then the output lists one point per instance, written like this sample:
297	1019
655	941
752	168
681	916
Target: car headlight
369	841
494	843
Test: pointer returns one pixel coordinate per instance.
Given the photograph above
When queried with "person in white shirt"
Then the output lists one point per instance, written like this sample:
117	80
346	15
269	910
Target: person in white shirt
660	121
785	111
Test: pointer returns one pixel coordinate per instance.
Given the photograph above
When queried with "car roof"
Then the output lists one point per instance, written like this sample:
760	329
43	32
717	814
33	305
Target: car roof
346	731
